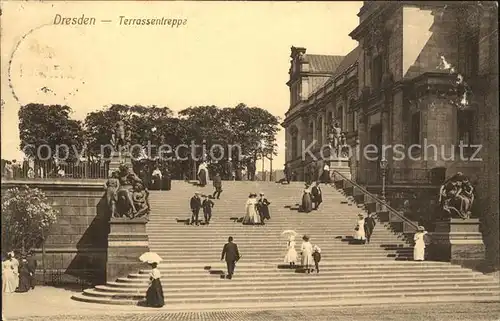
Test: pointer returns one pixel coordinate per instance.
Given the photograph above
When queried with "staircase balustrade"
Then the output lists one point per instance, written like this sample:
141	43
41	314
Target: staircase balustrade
347	184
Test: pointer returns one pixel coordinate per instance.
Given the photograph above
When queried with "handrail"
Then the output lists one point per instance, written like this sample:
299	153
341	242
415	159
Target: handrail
377	200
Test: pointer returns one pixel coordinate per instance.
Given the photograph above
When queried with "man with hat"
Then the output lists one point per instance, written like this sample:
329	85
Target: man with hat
195	205
369	226
217	182
263	208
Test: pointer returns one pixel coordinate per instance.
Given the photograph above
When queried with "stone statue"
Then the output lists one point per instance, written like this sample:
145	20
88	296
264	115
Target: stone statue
111	187
140	197
456	196
344	149
118	138
126	194
337	133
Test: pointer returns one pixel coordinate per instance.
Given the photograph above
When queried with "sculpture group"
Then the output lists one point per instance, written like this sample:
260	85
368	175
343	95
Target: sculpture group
126	194
456	196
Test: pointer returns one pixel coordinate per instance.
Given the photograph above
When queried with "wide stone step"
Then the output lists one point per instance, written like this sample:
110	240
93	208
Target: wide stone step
271	273
261	294
278	288
172	282
311	301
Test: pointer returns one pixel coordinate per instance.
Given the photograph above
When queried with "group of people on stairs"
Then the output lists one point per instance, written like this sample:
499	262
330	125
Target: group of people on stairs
312	197
309	254
256	210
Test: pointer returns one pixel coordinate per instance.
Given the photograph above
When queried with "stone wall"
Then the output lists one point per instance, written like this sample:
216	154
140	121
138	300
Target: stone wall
76	247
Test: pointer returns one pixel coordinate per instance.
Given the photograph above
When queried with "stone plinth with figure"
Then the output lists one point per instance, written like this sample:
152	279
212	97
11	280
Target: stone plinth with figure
458	241
127	240
128	203
457	237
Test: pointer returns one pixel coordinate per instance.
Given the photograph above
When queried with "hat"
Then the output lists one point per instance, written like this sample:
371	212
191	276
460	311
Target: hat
11	253
305	238
361	215
197	193
316	249
261	193
421	228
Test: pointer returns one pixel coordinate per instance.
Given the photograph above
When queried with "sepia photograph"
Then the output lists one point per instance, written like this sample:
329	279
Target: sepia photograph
249	160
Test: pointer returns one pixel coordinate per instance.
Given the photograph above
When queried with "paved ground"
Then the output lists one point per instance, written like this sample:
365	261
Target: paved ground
46	303
439	312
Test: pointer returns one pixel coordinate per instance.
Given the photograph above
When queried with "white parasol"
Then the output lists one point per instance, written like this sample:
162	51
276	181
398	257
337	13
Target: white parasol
150	257
288	233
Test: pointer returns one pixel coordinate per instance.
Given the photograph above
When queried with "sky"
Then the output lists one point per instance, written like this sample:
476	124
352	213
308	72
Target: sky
224	54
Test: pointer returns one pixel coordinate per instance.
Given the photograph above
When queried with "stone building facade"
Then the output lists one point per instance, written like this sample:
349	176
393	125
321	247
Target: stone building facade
323	90
424	92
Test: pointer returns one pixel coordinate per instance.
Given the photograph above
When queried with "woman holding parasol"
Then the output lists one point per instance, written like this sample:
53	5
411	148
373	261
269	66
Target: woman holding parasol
154	294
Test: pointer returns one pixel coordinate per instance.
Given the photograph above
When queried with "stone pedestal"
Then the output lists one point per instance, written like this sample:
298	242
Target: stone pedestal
340	164
457	241
118	159
127	240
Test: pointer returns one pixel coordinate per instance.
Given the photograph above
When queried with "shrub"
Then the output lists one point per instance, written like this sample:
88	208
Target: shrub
27	216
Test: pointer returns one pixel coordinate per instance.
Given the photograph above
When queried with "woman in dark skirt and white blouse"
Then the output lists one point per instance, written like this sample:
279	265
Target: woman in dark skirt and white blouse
154	295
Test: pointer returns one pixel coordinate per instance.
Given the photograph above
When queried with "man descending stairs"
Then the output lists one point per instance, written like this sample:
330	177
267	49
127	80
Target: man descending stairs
193	275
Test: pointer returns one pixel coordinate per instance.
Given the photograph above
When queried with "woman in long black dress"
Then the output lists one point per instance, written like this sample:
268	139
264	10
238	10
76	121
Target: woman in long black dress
154	295
24	276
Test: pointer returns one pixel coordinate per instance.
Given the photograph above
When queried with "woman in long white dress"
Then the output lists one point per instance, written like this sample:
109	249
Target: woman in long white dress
307	251
359	228
10	273
419	248
251	215
291	253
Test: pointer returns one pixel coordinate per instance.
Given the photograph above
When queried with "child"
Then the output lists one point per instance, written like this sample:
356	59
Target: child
317	257
207	209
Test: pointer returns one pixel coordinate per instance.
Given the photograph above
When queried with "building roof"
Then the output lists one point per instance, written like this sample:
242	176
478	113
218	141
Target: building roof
349	60
323	63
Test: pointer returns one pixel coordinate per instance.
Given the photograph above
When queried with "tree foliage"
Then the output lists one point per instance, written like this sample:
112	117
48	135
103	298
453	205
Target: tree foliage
251	130
99	125
50	126
27	215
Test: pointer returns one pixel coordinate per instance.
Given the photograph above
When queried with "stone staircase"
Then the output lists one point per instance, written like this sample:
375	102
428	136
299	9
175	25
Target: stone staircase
192	273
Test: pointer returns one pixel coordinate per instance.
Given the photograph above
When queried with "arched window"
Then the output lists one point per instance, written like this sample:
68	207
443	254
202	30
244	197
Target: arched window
319	131
310	131
354	115
295	141
329	118
340	117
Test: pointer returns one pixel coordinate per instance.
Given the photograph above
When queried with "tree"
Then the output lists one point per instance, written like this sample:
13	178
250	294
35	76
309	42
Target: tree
26	217
255	129
47	132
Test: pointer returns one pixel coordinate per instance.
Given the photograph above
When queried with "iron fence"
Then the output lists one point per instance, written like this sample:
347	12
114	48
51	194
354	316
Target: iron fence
50	170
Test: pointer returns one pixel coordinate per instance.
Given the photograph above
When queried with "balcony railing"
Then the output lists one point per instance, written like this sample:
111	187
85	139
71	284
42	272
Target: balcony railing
46	170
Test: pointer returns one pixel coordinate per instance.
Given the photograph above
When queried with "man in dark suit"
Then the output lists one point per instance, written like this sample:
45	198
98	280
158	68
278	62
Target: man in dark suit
195	204
369	226
228	169
217	180
287	172
317	197
31	267
230	252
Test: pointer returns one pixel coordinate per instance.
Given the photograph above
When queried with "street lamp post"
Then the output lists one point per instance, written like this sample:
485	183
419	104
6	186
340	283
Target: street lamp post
383	167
